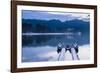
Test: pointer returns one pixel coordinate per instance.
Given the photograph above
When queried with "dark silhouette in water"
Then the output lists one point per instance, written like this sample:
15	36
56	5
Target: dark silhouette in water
76	47
68	48
72	49
59	48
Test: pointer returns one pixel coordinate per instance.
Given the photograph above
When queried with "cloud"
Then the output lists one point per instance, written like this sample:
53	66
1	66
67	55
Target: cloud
63	16
59	13
48	53
72	15
52	56
84	54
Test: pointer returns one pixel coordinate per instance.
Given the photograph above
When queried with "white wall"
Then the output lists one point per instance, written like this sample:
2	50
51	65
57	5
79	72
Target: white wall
5	36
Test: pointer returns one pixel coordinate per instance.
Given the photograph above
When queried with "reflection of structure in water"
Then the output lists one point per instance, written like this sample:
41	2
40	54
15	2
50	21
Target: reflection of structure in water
62	50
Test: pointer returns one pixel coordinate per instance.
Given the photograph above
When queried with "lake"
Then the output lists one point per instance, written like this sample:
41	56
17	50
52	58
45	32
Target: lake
34	45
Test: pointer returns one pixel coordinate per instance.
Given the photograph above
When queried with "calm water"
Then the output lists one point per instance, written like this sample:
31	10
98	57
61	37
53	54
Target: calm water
33	46
53	40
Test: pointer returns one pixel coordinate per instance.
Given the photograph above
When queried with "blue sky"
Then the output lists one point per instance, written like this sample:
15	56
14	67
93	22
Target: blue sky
62	16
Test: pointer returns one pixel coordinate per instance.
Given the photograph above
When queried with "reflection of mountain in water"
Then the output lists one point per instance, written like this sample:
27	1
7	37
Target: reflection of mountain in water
53	40
79	28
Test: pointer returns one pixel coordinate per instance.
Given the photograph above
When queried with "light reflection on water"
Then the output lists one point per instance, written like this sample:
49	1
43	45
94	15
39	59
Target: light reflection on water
52	39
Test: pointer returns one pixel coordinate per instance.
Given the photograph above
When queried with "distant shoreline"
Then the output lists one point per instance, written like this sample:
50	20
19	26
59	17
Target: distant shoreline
69	33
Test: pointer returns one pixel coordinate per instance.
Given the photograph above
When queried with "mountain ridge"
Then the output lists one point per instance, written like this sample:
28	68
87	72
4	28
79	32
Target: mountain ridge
54	25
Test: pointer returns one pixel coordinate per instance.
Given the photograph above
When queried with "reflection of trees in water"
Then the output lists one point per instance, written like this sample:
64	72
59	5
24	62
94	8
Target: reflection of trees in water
53	40
26	40
41	39
35	40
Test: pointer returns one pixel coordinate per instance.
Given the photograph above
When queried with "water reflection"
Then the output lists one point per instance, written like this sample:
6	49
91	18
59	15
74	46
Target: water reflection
53	40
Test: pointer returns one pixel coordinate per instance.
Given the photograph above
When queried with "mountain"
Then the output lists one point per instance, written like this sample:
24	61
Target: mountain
51	26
